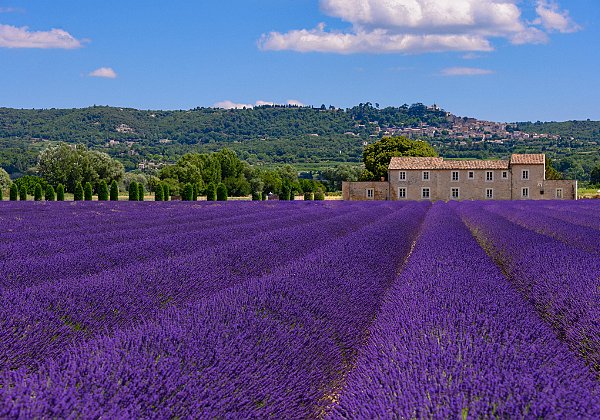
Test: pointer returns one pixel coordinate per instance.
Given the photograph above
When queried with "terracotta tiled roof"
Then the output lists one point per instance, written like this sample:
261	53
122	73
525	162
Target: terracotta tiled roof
416	163
528	160
425	163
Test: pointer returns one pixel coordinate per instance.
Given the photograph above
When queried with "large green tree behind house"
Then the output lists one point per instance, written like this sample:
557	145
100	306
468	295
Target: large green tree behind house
377	156
551	171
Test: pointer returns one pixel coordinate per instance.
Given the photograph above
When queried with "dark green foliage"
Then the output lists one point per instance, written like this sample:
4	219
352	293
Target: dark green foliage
50	194
286	193
133	191
265	196
221	192
1	195
78	192
103	191
211	192
60	192
308	196
377	156
88	192
257	196
158	193
114	191
194	193
22	194
141	192
595	176
319	195
166	192
37	193
187	192
14	192
29	182
551	172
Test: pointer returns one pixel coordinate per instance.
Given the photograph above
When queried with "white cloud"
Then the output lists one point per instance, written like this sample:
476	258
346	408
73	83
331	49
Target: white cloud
104	72
418	26
375	41
22	37
294	102
236	105
465	71
554	19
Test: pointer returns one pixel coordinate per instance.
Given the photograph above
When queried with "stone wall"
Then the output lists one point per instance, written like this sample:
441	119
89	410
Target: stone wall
357	191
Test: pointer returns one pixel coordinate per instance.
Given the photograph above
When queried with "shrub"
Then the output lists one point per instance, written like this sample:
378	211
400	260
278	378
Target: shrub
133	191
211	192
78	192
14	192
114	191
194	193
265	196
103	191
50	194
22	194
309	196
141	192
60	192
158	193
1	196
187	193
256	196
221	192
88	192
286	193
166	192
319	195
37	193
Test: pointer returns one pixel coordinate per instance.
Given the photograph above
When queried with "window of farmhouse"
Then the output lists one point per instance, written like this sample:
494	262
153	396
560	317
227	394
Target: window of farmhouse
401	192
425	193
559	193
455	193
425	175
402	176
489	193
505	174
525	192
525	174
489	176
471	175
454	175
370	193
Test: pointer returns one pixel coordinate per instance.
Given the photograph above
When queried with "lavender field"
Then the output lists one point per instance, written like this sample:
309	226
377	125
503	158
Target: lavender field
299	310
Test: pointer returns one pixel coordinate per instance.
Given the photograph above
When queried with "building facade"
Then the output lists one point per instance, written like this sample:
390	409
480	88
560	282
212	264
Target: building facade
523	177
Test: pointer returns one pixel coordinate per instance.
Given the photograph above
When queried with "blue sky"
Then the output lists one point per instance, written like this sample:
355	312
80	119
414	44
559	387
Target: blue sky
503	60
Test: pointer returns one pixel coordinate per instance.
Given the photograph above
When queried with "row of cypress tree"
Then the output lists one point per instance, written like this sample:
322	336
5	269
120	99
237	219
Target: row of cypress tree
213	192
137	193
50	194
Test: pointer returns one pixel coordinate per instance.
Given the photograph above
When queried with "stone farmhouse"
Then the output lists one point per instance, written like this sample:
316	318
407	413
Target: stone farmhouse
523	177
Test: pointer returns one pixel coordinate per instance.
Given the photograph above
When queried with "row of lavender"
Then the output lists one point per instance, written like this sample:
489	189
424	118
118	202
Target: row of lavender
268	334
338	310
455	338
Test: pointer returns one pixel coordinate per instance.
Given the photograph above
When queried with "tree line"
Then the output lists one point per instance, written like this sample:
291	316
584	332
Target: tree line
83	173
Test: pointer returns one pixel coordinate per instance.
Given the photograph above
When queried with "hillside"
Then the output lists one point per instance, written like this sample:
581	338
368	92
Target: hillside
311	138
269	134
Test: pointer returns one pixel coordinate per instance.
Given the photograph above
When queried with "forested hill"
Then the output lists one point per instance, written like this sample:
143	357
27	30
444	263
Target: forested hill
95	125
268	134
581	130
